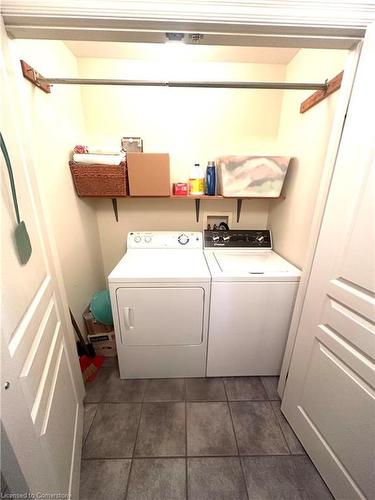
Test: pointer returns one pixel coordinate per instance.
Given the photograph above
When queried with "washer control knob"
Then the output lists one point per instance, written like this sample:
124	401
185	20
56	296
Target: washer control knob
147	239
226	238
137	239
259	238
215	238
183	239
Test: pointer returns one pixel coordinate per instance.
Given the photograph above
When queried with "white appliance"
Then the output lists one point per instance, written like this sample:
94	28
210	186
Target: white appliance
160	295
252	297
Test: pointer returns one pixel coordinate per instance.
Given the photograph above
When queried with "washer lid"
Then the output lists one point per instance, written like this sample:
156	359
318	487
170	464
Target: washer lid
159	266
250	265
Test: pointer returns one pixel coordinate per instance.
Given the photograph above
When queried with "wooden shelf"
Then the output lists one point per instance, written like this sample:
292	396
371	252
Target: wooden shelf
221	197
116	176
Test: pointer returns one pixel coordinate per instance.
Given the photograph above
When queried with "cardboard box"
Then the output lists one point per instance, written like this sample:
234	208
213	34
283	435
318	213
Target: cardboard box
104	344
148	174
93	326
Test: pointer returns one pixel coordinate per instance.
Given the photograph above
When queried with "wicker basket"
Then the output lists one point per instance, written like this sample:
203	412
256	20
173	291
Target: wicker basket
100	180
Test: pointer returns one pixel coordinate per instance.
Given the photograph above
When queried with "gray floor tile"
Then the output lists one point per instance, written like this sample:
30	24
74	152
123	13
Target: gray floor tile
157	479
294	445
89	412
218	478
270	385
110	361
165	389
96	389
205	389
283	478
244	388
113	432
209	430
257	429
104	479
309	478
118	390
161	430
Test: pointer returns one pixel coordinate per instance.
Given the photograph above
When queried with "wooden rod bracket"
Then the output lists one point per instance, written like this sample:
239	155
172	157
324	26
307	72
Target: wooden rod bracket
320	95
35	78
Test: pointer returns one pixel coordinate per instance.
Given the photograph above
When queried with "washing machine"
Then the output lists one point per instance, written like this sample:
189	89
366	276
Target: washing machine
253	292
160	296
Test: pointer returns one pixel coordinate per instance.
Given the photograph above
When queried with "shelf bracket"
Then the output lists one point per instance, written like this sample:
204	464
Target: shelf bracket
115	208
197	208
239	208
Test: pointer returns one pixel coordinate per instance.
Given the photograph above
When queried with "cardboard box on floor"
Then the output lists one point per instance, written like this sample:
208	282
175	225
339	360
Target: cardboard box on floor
148	174
92	326
104	344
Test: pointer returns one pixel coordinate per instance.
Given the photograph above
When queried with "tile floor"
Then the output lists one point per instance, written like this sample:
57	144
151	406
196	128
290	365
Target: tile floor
196	439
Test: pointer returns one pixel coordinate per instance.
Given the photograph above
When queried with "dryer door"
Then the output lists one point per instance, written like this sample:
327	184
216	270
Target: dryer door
160	316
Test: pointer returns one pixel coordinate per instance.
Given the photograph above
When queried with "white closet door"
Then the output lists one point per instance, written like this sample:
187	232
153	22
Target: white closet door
329	397
42	388
160	316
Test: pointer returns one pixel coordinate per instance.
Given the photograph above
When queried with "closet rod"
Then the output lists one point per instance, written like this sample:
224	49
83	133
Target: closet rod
156	83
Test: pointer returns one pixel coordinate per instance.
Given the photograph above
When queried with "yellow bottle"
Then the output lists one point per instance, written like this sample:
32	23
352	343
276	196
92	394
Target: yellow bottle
196	181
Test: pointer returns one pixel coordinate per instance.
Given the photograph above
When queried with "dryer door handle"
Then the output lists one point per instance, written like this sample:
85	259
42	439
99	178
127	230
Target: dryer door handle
129	318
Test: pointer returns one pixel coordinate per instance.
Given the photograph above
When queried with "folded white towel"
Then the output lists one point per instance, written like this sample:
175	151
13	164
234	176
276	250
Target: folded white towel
101	159
103	150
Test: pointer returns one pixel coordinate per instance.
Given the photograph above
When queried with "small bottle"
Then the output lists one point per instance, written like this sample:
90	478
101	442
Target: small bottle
196	181
211	178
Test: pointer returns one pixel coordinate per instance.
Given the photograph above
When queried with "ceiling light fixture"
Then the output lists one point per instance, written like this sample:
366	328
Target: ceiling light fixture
175	37
195	37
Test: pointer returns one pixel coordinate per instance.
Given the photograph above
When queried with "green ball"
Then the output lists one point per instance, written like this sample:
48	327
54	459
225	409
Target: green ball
100	307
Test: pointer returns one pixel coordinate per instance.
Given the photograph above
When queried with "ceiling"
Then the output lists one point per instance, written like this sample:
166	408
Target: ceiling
187	52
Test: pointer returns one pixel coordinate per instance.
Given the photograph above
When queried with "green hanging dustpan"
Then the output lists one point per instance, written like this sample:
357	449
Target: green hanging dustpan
21	235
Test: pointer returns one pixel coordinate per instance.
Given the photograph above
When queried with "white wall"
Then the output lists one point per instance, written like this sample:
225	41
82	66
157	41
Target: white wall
56	124
191	124
305	137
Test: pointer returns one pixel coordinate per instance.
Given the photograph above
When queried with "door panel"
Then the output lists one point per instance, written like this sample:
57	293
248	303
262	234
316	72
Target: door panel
160	316
58	434
22	336
47	383
329	396
45	338
357	264
25	281
327	407
42	408
342	319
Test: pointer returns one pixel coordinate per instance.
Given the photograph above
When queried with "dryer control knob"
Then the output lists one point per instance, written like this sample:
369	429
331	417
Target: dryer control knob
137	239
259	238
183	239
215	238
147	239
